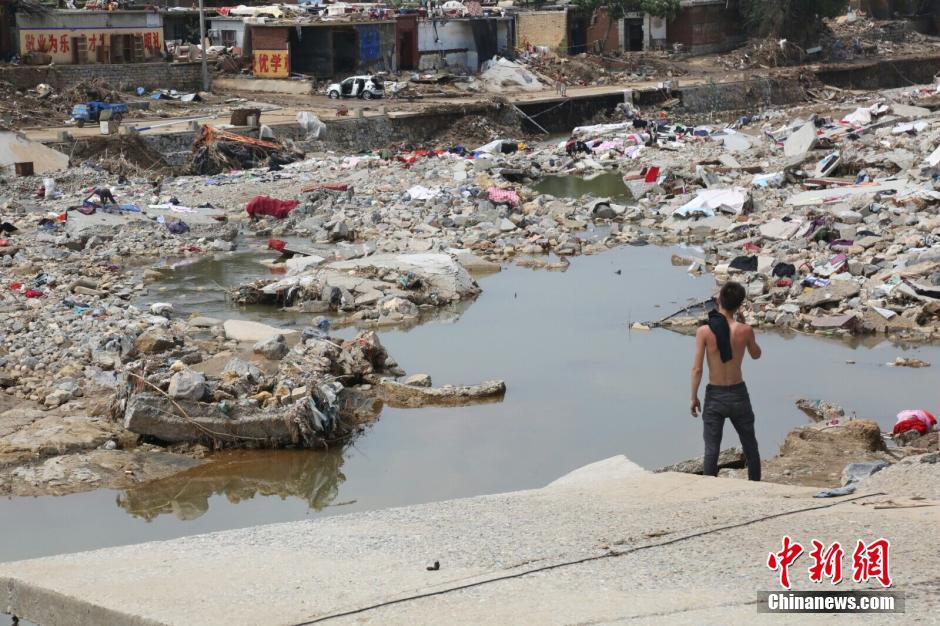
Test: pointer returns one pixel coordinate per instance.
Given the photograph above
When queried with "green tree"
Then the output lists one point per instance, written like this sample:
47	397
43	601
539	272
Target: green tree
793	19
618	8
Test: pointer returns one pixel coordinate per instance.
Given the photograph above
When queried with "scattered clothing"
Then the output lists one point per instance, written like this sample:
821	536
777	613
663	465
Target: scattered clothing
920	420
270	207
177	227
836	492
784	270
744	263
503	196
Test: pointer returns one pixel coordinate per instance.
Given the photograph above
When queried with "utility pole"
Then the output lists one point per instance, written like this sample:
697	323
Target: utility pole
202	43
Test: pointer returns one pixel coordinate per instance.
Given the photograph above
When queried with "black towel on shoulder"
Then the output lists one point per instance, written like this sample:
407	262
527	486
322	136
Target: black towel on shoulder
719	325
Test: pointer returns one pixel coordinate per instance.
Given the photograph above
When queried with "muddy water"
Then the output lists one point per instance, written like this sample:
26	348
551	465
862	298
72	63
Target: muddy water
581	388
606	185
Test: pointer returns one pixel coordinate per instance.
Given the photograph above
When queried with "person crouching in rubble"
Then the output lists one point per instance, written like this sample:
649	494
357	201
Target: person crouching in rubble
724	339
104	196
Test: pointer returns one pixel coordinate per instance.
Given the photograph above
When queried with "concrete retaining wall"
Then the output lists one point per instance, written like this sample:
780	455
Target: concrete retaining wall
261	85
182	76
748	96
889	74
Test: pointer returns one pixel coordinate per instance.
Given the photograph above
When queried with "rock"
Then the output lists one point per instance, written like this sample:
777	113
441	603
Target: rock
187	385
820	410
407	396
909	362
854	435
417	380
857	472
57	397
506	226
273	348
732	458
96	469
59	435
242	330
240	369
835	292
204	322
154	341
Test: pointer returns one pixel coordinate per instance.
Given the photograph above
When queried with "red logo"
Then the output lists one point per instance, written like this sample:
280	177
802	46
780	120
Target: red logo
868	561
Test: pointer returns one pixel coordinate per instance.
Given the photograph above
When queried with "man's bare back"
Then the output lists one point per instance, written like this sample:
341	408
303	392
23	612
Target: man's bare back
742	339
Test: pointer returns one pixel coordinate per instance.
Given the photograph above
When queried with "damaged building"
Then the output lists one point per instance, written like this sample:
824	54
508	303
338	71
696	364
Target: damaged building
701	27
76	37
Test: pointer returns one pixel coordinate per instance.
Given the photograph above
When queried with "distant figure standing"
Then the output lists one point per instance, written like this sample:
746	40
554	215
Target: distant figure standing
724	340
561	86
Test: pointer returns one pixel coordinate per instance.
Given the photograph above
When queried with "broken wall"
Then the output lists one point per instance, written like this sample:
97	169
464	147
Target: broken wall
543	28
603	35
376	47
446	43
706	29
181	76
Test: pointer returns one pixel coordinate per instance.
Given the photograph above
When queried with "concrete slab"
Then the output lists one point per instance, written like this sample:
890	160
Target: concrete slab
16	148
608	543
801	141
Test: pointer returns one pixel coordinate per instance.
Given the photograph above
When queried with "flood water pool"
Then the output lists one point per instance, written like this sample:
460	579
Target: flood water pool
606	185
581	387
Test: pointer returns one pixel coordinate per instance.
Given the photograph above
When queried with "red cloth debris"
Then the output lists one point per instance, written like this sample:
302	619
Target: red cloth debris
4	243
503	196
15	286
33	293
911	423
651	175
271	207
277	244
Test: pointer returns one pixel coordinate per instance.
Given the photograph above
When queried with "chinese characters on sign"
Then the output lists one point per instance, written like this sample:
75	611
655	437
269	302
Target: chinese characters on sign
60	45
869	562
271	63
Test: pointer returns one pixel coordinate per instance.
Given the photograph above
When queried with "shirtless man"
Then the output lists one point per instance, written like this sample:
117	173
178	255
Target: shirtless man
724	340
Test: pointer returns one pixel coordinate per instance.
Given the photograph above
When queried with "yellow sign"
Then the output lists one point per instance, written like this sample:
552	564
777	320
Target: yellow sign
271	63
61	42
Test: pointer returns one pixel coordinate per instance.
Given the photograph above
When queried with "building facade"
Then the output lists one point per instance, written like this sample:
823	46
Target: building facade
463	41
86	37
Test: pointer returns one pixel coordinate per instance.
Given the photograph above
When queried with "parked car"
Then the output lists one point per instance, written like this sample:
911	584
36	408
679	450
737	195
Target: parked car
367	87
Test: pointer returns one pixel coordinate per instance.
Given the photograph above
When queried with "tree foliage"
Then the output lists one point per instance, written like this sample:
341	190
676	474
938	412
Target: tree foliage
616	9
793	19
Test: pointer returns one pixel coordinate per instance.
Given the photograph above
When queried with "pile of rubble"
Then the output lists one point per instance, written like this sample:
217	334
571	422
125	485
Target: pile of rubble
850	37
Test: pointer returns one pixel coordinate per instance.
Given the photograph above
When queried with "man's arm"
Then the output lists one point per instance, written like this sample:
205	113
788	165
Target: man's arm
698	368
752	347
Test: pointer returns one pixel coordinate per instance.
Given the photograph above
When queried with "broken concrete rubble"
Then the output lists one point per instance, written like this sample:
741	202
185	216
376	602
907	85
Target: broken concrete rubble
411	396
382	288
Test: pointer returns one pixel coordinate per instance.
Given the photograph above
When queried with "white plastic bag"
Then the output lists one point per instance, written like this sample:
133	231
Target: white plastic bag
311	124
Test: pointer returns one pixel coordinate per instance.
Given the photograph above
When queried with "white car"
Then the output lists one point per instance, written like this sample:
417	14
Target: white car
367	87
